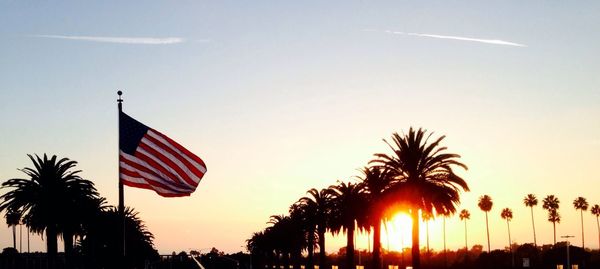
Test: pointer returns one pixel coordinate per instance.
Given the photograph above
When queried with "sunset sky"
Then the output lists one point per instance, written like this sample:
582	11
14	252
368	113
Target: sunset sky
278	97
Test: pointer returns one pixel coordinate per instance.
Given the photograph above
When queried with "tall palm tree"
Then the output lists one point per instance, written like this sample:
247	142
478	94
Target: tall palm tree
424	176
375	182
13	218
318	204
551	203
596	212
465	215
531	201
507	215
49	199
581	204
347	208
485	204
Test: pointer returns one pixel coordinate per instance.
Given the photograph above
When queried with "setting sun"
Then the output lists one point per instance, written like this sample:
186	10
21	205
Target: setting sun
396	233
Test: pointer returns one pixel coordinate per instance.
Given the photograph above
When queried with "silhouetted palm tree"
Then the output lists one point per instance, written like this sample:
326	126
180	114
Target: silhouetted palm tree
427	216
348	203
13	218
581	204
551	203
531	201
465	215
507	215
596	212
318	206
101	243
50	199
299	229
444	216
306	214
424	177
485	204
375	182
554	217
281	230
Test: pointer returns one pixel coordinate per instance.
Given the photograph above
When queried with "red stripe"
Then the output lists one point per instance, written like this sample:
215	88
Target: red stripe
145	169
149	181
159	167
149	187
181	148
177	155
167	161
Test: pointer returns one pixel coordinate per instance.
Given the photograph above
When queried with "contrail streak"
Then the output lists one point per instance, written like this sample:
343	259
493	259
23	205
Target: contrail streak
461	38
120	40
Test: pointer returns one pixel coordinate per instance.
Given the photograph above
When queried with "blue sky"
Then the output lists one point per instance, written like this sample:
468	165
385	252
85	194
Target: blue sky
278	97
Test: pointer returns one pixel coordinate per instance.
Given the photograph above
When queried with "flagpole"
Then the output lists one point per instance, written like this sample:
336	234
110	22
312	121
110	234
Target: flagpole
121	195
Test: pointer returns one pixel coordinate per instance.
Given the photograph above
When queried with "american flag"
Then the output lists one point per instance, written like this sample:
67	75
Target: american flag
151	160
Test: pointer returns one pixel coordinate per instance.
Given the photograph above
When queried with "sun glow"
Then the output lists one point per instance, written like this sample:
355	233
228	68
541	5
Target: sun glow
396	233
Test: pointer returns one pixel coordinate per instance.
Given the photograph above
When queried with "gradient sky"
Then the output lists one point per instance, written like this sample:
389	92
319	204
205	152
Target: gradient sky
278	97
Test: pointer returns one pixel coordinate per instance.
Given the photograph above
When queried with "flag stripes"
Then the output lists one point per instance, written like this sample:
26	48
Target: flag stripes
157	162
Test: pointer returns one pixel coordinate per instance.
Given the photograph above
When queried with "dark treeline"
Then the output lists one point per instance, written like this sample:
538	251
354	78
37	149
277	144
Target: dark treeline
416	178
54	201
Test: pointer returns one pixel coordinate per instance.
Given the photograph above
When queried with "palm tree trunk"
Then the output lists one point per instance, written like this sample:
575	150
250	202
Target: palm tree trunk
51	245
311	249
582	237
466	245
487	228
598	225
349	247
322	257
68	241
512	258
14	228
554	227
416	259
533	223
51	241
377	244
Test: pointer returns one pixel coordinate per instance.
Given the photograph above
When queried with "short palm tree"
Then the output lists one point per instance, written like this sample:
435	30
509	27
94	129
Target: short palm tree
348	204
424	177
596	212
507	215
427	216
551	203
444	216
554	217
13	218
581	204
318	204
465	215
531	201
49	199
485	204
101	242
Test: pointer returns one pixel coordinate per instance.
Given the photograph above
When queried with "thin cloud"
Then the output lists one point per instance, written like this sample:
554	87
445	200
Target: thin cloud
461	38
120	40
